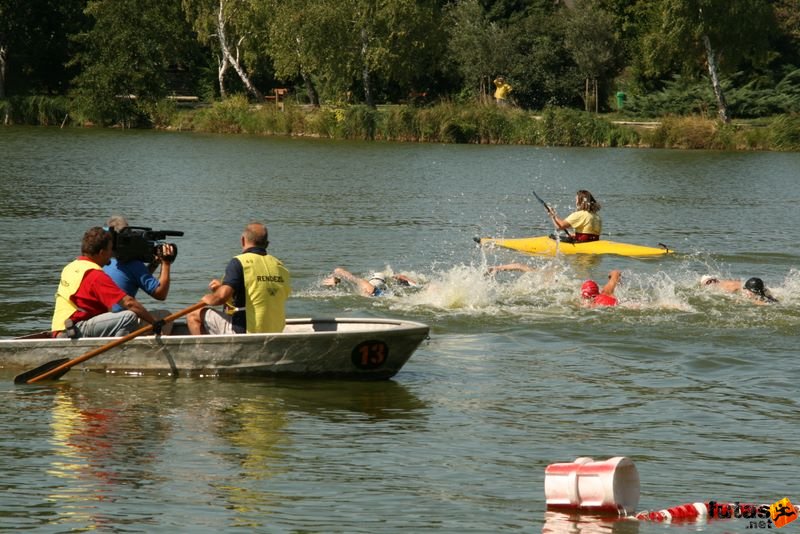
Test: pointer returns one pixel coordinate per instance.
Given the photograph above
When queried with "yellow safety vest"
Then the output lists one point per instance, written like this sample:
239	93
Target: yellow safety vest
71	278
267	286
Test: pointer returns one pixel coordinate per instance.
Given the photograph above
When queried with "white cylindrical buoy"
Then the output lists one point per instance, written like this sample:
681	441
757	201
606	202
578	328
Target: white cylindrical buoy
605	487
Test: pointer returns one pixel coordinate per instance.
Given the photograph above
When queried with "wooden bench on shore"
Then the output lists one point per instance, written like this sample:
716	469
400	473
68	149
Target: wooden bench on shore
278	94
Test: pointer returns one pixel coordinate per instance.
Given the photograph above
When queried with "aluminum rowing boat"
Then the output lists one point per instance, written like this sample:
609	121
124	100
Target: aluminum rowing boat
351	348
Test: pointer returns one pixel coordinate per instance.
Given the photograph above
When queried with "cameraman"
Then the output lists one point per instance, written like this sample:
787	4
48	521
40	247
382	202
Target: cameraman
133	275
86	293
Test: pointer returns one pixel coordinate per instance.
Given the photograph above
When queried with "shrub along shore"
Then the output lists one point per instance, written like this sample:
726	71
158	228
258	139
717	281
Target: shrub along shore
440	123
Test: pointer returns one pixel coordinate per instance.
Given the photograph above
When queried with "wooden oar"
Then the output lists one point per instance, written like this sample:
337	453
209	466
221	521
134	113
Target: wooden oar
55	369
552	213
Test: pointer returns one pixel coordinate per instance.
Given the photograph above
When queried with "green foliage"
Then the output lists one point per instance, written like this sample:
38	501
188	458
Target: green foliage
125	58
160	113
759	98
684	132
399	123
34	110
679	96
428	121
324	123
227	116
541	69
478	48
441	123
785	132
360	122
682	96
569	127
34	43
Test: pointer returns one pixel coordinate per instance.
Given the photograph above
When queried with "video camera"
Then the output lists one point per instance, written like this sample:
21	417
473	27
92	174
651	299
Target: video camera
142	243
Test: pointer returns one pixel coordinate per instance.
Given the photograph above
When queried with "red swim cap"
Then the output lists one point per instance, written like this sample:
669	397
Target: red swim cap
589	289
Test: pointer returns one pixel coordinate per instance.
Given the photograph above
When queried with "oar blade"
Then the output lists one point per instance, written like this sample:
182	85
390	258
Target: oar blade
42	369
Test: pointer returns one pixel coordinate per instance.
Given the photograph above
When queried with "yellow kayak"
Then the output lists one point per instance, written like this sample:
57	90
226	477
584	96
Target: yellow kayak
545	245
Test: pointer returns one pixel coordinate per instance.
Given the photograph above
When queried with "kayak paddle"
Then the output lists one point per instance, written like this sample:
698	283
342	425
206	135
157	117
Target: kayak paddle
552	213
55	369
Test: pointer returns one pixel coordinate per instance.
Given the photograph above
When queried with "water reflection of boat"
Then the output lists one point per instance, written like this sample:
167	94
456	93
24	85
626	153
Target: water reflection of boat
359	348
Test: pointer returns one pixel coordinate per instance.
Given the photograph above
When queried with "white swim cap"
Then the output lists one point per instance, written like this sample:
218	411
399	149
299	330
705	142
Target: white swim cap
378	280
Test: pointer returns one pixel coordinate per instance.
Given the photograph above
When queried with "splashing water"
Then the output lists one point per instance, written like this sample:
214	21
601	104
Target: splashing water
551	292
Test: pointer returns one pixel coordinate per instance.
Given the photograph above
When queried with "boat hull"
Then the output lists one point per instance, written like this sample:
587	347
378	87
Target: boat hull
374	349
546	246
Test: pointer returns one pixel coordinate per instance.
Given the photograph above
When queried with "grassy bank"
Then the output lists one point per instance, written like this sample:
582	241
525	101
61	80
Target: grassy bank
440	123
490	124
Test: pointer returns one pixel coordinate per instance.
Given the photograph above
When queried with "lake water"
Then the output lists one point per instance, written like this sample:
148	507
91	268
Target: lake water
698	388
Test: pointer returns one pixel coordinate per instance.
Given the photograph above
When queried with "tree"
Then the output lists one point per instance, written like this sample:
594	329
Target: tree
220	21
478	48
127	56
394	40
537	59
681	33
787	40
371	43
34	45
590	39
295	43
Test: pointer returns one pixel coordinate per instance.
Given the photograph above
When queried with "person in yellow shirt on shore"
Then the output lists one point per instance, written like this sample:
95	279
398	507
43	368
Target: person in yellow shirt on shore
502	90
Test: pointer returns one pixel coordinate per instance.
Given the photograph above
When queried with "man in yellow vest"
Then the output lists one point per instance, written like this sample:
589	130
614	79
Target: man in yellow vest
253	291
86	295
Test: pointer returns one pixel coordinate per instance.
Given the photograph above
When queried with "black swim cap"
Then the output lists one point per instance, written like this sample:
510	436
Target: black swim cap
755	285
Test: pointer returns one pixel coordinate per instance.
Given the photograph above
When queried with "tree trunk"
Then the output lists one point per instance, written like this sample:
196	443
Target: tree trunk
596	103
485	90
365	78
712	71
313	96
586	95
3	56
234	61
223	66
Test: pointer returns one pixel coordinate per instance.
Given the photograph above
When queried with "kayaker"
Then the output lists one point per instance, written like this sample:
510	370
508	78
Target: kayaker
86	295
593	296
253	291
134	274
585	220
374	286
753	288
